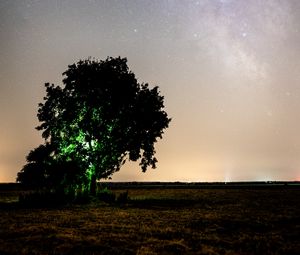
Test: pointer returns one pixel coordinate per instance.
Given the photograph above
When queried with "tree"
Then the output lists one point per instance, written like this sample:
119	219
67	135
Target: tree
101	118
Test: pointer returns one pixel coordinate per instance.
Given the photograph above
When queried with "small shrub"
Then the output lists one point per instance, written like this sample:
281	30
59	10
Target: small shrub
123	198
44	198
82	198
106	195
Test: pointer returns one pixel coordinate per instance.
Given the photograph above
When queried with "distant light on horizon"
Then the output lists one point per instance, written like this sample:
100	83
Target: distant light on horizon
229	71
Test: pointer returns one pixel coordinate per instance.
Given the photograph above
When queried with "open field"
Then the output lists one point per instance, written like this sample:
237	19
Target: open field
159	221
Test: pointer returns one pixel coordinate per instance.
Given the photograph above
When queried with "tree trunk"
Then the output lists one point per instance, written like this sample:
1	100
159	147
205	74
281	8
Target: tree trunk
93	185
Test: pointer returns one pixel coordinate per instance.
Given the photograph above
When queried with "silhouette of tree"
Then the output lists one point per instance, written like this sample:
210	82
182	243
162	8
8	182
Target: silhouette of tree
43	171
35	172
98	120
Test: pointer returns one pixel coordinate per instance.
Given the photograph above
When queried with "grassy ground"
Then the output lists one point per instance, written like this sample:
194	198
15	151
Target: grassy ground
159	221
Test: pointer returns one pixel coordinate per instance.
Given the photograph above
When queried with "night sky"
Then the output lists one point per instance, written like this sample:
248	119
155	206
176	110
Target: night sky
229	71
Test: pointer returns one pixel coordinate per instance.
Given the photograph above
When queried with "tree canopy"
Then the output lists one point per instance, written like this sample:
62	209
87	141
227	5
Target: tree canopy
100	118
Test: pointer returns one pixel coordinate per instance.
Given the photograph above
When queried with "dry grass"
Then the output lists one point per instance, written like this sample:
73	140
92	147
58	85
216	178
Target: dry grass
161	221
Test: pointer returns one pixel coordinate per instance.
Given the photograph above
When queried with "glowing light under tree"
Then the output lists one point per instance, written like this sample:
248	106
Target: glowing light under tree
98	120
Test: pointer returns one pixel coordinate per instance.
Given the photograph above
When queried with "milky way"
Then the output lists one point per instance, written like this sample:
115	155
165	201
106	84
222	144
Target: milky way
229	71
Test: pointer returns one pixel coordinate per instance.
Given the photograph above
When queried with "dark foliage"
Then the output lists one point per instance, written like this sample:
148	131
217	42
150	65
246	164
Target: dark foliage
123	198
45	198
107	196
44	172
100	118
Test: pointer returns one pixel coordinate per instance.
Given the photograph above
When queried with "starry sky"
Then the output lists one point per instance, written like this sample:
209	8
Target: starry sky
229	71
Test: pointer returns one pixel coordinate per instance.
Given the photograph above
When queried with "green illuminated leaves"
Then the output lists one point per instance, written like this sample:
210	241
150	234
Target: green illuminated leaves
102	117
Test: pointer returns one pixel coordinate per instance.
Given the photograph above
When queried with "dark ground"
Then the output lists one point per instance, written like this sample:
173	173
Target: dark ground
159	220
